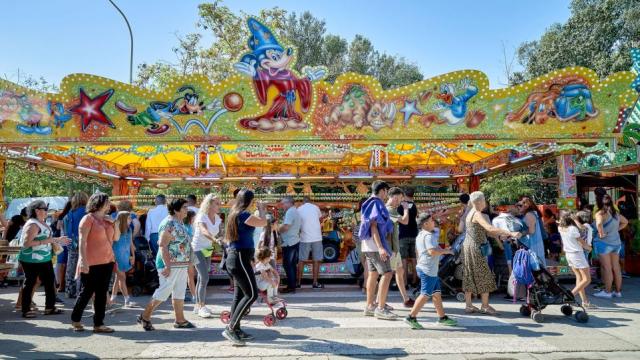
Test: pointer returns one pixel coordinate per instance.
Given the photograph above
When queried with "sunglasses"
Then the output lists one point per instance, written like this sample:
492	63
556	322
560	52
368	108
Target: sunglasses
43	208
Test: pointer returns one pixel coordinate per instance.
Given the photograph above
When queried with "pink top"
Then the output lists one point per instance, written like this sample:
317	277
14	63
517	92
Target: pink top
99	241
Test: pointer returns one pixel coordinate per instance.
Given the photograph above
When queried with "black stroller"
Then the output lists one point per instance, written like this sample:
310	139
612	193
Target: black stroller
143	279
450	271
545	291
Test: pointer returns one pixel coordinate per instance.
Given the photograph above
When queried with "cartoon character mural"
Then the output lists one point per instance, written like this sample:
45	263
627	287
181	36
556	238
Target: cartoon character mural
453	100
359	110
187	103
565	99
59	113
25	107
268	65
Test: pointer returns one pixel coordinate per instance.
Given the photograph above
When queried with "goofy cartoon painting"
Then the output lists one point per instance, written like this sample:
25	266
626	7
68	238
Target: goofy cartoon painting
268	65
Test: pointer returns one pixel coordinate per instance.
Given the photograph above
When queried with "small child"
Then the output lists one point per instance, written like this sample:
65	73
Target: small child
583	220
269	239
555	241
428	252
266	277
573	246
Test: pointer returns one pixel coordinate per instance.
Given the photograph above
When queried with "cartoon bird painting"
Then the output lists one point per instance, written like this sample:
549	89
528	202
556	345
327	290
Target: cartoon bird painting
453	102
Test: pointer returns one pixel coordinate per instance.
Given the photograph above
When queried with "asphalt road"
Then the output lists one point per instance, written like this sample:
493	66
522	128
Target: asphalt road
329	324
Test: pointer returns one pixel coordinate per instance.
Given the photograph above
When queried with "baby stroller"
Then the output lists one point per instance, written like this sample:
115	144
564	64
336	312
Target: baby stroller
143	278
278	310
450	271
544	290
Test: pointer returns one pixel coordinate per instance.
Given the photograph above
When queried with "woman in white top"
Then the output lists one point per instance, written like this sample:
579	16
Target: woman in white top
573	246
207	227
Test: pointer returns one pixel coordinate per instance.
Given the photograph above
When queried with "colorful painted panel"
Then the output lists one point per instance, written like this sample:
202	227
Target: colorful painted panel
268	101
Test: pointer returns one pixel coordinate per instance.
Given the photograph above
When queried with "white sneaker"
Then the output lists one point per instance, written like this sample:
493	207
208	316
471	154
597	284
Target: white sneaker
617	294
196	308
204	312
603	294
369	311
385	314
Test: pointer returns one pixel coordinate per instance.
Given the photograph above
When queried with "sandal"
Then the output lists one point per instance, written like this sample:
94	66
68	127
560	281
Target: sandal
488	311
102	330
54	311
77	326
471	309
184	325
29	314
146	324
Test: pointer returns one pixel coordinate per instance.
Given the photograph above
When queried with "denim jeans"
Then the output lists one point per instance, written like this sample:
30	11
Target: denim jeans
290	264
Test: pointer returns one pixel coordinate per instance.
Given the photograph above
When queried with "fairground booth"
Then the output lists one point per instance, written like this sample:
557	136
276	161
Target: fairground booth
268	126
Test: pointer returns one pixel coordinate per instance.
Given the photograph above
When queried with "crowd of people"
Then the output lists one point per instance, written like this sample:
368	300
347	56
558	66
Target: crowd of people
94	242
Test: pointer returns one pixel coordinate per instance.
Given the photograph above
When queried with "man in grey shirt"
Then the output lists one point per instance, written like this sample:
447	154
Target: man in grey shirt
290	235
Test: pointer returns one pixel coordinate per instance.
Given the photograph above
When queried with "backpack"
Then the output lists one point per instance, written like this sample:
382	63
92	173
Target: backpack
522	267
353	265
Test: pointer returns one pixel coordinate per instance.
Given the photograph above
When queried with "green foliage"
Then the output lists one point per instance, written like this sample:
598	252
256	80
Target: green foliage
599	35
508	187
305	32
21	182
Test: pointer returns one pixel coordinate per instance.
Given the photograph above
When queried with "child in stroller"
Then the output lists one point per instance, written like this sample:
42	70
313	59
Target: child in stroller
267	280
542	287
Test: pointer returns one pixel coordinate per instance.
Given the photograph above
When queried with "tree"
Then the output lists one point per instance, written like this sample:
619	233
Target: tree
307	33
599	35
22	181
508	187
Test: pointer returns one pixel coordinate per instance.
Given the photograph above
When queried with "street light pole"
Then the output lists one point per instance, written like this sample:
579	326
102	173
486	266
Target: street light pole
131	37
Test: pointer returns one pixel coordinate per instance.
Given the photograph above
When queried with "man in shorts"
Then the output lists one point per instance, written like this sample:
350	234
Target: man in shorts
407	234
375	225
393	204
310	240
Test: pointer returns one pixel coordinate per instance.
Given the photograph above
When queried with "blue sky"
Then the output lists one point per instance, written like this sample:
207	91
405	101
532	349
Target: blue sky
56	38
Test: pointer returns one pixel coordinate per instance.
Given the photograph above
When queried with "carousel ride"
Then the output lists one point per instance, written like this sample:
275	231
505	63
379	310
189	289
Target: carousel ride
269	124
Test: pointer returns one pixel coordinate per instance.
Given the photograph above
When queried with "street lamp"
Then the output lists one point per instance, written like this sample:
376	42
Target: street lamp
131	37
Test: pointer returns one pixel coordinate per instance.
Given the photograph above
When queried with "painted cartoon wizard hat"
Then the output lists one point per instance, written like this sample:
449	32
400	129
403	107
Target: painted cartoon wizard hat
261	39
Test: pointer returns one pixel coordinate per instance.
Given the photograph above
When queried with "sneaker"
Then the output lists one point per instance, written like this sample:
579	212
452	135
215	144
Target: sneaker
589	306
196	309
447	321
233	337
369	311
318	286
243	335
384	314
409	303
129	304
204	312
617	294
413	322
58	300
386	306
603	294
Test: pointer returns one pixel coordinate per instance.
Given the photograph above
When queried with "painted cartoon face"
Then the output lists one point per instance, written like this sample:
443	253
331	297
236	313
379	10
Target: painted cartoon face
446	93
275	60
379	116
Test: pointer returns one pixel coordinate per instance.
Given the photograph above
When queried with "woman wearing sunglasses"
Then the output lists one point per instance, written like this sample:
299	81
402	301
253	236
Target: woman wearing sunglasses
35	258
533	219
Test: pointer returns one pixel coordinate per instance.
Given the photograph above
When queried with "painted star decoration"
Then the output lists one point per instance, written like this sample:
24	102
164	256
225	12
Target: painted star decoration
91	109
408	110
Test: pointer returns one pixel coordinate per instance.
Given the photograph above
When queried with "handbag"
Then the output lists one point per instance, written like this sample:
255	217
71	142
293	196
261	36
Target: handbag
485	249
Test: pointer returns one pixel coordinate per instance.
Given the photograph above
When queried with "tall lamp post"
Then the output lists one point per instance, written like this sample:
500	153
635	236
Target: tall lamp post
131	37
